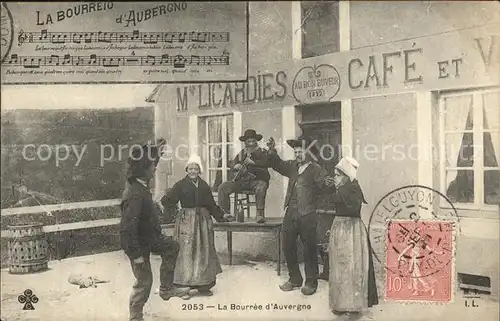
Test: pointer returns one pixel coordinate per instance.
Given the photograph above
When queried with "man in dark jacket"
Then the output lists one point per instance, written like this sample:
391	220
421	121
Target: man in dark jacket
305	182
141	232
255	178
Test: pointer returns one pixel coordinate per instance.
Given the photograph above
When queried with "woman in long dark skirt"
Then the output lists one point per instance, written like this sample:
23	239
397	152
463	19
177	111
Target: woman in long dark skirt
352	275
197	264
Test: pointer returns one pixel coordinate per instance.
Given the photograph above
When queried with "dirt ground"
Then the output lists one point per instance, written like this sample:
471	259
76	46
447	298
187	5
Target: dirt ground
244	283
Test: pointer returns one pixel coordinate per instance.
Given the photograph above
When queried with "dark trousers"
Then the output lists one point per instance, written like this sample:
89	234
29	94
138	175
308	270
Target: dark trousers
304	226
228	188
168	249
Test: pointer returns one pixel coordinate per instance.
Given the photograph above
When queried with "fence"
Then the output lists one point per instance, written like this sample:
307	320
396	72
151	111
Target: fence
72	229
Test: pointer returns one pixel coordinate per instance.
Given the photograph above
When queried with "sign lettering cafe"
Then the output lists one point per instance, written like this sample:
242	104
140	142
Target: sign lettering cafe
406	66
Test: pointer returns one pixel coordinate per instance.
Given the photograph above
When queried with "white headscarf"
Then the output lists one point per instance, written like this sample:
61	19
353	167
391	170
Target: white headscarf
348	166
195	159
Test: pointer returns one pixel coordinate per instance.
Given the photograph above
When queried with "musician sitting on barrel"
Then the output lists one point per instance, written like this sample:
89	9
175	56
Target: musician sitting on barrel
250	173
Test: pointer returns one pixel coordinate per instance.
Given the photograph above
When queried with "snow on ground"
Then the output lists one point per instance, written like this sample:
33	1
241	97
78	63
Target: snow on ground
243	284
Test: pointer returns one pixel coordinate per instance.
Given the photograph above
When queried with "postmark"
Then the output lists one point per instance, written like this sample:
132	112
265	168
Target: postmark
419	260
410	202
6	31
412	220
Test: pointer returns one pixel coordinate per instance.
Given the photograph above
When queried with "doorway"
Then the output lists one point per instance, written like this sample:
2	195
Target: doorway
322	122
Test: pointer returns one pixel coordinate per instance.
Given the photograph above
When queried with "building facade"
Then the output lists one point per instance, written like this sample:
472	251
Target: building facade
410	89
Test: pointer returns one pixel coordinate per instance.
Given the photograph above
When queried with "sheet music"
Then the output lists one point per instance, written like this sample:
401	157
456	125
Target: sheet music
126	43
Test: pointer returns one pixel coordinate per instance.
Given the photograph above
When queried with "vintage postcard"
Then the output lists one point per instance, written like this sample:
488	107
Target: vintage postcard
250	160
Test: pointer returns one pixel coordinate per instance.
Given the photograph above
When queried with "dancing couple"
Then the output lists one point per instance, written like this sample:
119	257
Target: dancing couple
189	260
352	285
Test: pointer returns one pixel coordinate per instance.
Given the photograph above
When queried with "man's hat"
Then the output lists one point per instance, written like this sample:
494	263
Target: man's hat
304	142
250	133
142	157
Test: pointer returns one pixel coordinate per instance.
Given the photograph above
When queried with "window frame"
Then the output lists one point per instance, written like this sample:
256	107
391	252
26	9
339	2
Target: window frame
224	143
478	167
344	29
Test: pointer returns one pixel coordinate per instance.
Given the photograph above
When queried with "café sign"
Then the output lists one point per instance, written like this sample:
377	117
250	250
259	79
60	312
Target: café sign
453	61
313	84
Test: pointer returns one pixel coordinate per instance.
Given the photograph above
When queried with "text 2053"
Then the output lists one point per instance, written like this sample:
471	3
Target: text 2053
193	307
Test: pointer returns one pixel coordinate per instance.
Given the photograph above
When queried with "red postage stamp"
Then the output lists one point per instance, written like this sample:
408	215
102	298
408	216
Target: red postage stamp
419	261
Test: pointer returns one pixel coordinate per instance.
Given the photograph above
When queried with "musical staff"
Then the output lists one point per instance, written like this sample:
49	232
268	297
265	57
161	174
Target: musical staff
177	61
135	36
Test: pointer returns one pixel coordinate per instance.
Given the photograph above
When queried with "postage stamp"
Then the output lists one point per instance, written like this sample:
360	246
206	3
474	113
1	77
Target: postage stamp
412	235
419	260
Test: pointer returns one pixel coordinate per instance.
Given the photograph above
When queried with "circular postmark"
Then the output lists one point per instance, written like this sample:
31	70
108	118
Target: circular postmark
6	31
417	205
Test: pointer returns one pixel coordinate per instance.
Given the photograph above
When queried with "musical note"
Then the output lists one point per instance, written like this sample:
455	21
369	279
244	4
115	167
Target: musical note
56	38
165	59
67	60
198	36
88	37
196	60
176	61
32	62
180	61
44	36
104	37
111	61
150	60
182	37
76	38
53	60
151	38
14	59
93	60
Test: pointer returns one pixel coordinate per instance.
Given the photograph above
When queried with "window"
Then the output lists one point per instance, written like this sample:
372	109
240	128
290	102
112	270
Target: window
470	140
320	28
216	137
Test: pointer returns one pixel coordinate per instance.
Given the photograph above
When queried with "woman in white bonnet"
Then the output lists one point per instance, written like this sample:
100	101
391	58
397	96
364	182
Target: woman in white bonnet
352	276
197	264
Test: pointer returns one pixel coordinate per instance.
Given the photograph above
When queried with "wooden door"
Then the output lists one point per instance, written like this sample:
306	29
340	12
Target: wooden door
328	139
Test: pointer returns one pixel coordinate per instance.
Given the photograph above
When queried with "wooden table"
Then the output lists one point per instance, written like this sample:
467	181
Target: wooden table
272	224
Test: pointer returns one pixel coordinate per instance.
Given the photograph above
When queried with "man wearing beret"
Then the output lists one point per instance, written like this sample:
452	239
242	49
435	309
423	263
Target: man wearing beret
141	232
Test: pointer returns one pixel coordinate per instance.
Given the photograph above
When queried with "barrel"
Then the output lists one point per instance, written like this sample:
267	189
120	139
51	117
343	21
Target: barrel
28	249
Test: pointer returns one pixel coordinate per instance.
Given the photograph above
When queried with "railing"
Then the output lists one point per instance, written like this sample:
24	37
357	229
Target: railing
49	209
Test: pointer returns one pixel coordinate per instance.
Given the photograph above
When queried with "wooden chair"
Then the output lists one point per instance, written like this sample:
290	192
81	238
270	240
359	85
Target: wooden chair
245	201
